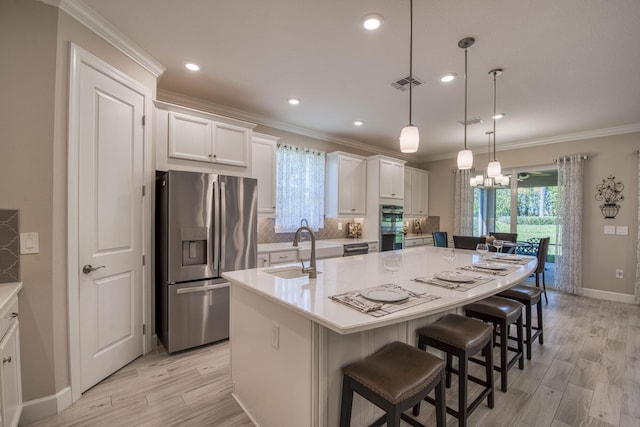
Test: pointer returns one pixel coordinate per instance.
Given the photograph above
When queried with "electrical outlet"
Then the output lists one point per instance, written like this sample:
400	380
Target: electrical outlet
339	226
275	335
619	274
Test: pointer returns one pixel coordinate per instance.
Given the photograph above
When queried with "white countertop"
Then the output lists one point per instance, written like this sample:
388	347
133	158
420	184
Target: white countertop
8	291
310	297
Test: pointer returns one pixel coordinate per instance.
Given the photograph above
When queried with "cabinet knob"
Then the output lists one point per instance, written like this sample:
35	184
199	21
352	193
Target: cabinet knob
353	209
12	316
6	360
210	155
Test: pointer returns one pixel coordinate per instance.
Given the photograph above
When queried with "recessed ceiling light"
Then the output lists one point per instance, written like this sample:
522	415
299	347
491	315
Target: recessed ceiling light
372	21
358	123
192	66
498	116
449	77
294	101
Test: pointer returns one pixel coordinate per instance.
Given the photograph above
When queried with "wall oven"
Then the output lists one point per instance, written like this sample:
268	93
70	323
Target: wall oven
391	233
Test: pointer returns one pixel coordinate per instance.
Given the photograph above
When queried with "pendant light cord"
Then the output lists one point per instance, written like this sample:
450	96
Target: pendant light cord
494	116
410	59
465	98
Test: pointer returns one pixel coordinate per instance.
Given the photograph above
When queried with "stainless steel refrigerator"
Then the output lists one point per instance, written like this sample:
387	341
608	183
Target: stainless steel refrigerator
206	224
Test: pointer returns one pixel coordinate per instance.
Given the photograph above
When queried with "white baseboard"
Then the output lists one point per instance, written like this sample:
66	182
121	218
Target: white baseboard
44	407
608	296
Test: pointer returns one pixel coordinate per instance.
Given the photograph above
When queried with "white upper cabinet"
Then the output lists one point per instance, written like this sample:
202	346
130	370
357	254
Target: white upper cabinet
231	144
345	185
391	179
416	192
185	136
263	159
190	137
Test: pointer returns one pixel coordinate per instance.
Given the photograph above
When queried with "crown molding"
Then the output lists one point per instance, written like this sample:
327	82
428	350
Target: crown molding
96	23
596	133
197	103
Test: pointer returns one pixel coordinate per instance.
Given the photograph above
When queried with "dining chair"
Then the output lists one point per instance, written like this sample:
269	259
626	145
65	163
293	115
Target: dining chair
543	250
508	237
538	247
467	242
440	239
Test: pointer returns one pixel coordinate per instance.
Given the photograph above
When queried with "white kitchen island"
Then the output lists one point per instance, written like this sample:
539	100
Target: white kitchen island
289	340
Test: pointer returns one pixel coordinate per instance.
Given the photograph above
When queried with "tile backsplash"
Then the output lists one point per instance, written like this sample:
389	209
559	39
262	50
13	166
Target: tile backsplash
267	233
9	246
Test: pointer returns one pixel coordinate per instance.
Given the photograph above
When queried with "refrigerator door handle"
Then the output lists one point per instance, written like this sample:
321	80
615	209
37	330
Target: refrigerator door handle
223	224
216	227
204	288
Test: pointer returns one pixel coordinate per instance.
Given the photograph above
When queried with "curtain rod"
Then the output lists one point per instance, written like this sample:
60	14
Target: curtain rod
582	156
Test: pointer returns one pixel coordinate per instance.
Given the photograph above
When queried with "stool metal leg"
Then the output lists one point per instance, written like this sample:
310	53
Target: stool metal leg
347	402
504	342
463	369
528	327
521	343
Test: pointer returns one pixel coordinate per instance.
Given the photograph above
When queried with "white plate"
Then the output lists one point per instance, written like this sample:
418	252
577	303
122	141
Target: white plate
450	276
384	294
491	265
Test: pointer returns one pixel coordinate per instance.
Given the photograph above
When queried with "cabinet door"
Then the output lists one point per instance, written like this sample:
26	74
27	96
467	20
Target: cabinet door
190	137
420	192
352	186
391	180
230	144
10	377
263	156
408	201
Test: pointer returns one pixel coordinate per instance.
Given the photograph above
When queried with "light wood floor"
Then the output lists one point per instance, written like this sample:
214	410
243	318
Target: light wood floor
586	373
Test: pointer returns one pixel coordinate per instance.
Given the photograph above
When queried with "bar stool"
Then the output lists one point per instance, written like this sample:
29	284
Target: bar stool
501	312
395	378
529	296
462	337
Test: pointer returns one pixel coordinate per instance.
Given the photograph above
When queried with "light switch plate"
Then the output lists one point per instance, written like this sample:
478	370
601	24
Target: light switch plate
29	243
622	230
609	229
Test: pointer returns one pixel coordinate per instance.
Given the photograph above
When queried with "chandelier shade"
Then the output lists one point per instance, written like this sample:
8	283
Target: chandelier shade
409	139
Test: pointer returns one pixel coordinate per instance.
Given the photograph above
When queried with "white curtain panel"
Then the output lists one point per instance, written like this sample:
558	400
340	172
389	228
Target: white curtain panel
299	188
637	293
463	204
568	276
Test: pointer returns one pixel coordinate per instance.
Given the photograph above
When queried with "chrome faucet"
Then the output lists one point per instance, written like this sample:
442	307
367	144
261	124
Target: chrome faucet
313	272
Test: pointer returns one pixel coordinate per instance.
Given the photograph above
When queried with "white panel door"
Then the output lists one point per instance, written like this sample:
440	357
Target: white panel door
263	163
110	229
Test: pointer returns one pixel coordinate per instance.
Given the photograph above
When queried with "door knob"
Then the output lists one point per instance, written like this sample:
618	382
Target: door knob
88	268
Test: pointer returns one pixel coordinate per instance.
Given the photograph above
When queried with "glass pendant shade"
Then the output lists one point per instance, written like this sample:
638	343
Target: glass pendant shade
494	169
465	159
409	139
472	181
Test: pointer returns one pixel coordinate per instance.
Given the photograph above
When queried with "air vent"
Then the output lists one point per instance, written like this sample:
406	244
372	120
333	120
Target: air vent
403	83
472	121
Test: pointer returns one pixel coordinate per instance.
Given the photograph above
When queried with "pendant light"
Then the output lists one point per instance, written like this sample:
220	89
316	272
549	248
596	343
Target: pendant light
465	157
488	180
409	136
494	168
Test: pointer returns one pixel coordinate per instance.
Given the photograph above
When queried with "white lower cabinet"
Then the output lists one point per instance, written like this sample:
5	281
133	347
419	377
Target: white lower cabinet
263	260
10	374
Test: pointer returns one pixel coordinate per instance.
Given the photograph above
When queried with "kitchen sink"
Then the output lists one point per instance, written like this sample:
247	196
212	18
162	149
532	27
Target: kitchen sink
288	272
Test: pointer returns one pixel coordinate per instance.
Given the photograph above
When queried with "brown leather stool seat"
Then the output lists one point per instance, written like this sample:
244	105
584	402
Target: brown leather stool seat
501	312
529	296
462	337
395	378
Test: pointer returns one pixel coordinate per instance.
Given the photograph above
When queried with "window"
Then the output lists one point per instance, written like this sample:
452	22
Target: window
299	187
